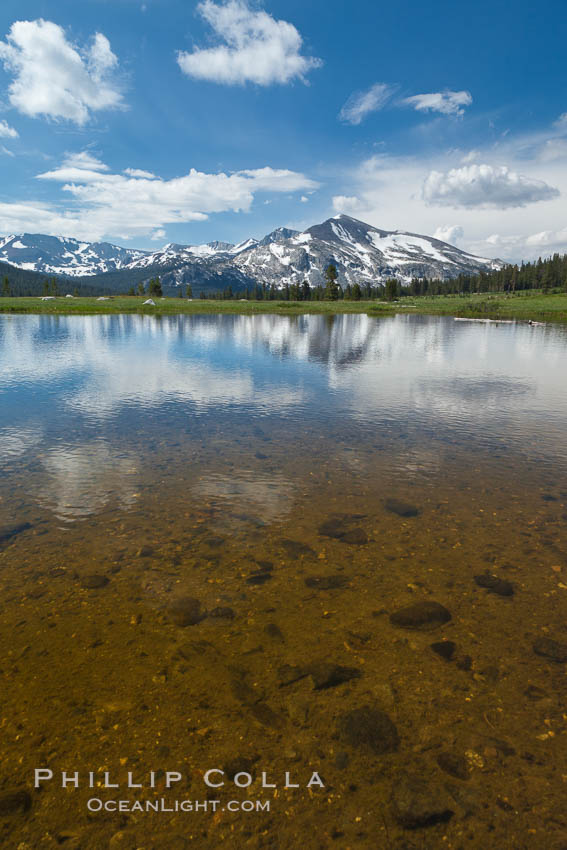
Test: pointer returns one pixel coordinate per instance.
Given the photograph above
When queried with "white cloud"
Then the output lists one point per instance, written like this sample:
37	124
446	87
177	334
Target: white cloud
304	199
484	186
254	48
56	79
85	161
387	191
138	172
447	102
548	239
451	233
158	234
7	132
553	149
360	104
130	204
6	152
348	204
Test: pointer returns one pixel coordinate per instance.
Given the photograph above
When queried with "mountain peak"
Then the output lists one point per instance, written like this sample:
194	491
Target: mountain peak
362	253
278	235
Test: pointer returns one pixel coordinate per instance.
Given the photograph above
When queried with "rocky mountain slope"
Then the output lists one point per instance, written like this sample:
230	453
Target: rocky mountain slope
362	253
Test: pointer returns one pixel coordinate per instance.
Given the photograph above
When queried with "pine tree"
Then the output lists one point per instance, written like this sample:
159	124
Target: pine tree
392	290
189	291
332	291
141	288
155	288
6	288
356	293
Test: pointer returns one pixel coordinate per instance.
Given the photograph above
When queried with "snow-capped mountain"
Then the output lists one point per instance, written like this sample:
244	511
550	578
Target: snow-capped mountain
57	255
362	253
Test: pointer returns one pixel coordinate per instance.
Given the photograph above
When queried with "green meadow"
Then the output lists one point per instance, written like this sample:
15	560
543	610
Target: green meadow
531	305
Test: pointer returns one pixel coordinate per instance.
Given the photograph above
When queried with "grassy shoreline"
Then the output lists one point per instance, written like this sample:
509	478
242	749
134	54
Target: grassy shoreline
534	306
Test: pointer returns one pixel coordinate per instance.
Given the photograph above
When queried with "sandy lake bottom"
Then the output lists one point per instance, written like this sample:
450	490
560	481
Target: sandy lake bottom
349	561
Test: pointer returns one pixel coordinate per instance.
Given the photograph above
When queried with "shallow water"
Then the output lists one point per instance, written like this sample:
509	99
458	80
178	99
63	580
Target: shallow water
210	457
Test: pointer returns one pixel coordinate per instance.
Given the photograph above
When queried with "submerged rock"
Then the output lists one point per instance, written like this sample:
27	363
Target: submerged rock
274	631
368	728
290	673
356	537
214	541
7	532
94	581
265	715
333	582
424	616
416	803
185	611
339	527
445	649
240	764
259	577
15	802
454	765
327	675
333	527
552	649
222	613
295	549
242	691
403	509
534	692
495	584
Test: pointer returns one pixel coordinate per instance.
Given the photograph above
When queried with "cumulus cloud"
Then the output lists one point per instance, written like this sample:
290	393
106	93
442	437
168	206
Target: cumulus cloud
347	204
55	78
451	233
138	172
542	243
255	47
138	203
446	102
469	157
484	186
547	239
361	103
553	149
85	161
7	132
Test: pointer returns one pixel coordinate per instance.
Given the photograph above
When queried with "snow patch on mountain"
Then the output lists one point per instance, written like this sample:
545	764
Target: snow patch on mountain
362	254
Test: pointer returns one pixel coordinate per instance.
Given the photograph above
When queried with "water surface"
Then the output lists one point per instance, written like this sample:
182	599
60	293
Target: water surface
209	457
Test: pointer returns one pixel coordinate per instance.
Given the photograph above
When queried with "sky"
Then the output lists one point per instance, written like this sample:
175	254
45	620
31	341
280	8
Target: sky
143	122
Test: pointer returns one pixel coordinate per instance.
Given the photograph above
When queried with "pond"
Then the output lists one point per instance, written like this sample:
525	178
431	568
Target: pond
265	551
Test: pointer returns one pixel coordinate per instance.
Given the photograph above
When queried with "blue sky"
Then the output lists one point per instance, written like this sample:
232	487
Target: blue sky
149	121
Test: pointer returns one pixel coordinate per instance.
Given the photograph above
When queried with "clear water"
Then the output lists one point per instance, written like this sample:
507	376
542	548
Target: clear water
178	458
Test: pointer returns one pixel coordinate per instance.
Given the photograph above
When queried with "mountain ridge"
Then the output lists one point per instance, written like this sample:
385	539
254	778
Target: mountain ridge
361	252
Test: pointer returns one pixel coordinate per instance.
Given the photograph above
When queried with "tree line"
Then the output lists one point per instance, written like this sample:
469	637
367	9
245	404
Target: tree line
549	274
